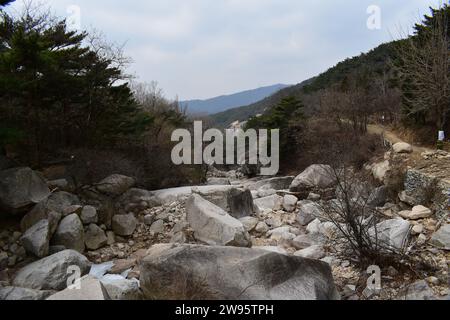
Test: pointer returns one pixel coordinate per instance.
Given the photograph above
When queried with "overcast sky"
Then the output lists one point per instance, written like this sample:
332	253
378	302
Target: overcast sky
205	48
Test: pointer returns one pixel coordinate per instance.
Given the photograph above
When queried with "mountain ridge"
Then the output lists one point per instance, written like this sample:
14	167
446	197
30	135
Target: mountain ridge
229	101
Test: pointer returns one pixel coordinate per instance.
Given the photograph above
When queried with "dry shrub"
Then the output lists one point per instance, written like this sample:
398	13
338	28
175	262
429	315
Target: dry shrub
326	141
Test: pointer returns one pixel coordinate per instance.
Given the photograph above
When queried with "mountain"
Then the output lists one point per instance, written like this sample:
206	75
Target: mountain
226	102
374	62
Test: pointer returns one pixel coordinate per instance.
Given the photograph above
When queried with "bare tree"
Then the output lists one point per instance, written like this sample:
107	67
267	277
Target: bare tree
425	68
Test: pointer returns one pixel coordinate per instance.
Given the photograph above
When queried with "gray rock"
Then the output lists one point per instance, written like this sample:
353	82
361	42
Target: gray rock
111	239
315	176
149	219
417	291
70	233
262	227
230	273
89	215
36	239
418	212
249	223
277	183
308	211
218	182
313	252
392	234
272	249
441	238
3	260
157	226
303	241
115	184
274	202
54	205
119	288
380	170
402	147
289	202
378	197
124	225
213	225
240	203
20	188
90	289
16	294
95	237
314	196
51	273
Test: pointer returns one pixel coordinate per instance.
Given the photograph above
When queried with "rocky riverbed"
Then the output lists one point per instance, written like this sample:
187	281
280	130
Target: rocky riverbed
233	238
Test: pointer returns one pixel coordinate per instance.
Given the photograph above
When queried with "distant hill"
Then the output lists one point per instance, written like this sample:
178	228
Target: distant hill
374	62
226	102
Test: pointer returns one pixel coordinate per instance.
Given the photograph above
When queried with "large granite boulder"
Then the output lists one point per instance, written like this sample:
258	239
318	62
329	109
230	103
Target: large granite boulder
36	239
115	184
50	208
70	233
51	273
316	176
21	188
184	272
213	225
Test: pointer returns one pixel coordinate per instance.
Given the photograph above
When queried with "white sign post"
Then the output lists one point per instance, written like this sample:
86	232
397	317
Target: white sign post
441	136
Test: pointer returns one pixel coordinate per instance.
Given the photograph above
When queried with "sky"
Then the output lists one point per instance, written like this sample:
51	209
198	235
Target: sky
197	49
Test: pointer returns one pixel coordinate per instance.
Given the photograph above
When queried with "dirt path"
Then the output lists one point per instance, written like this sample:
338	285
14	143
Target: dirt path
392	137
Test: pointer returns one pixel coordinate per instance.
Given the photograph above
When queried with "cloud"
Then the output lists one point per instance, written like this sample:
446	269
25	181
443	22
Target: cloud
203	48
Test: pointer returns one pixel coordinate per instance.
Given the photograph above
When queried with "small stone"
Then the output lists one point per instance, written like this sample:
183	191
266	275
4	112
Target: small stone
249	223
157	226
95	237
422	239
433	280
89	215
417	229
314	197
261	227
402	147
149	219
313	252
418	212
110	237
289	202
124	225
3	260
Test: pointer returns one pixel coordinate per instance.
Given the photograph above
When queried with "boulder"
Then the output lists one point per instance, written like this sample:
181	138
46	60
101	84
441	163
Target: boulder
94	237
119	288
36	239
240	203
402	147
56	203
90	289
262	227
379	170
392	234
115	184
308	211
419	290
441	238
249	223
303	241
218	182
70	233
272	249
289	202
52	272
378	197
315	176
124	225
21	188
312	252
186	272
157	226
16	294
277	183
213	225
273	202
418	212
89	215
